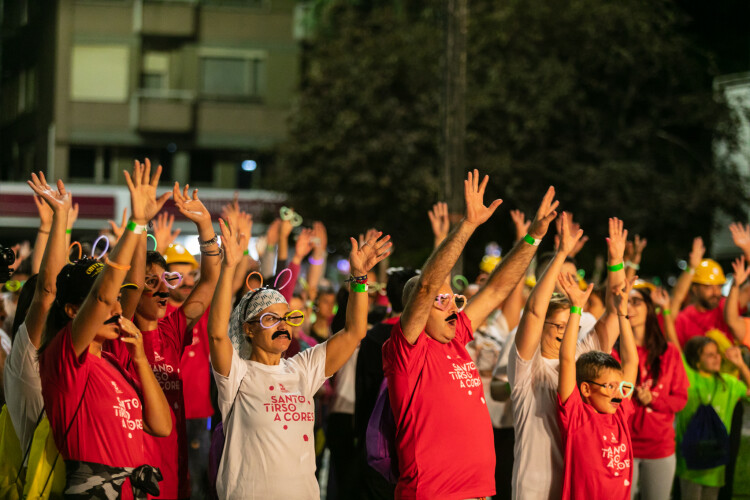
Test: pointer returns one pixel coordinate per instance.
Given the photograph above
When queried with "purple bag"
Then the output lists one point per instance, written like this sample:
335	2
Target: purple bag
214	459
381	437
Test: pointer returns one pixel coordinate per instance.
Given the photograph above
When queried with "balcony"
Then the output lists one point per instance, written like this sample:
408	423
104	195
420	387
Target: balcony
169	18
162	111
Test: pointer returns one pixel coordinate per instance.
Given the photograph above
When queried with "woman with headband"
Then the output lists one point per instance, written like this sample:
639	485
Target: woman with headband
98	412
266	401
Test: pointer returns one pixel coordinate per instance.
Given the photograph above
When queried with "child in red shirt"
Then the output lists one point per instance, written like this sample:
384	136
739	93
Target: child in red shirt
594	421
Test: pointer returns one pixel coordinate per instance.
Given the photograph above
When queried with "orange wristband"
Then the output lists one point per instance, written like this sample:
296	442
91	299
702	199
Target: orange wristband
115	265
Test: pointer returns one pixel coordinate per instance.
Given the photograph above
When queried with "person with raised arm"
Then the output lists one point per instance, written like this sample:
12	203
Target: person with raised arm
98	412
23	387
533	365
443	431
266	401
166	335
594	405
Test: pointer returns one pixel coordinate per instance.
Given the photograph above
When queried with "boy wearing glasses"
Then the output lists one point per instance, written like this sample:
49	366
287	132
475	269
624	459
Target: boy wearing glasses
594	406
444	435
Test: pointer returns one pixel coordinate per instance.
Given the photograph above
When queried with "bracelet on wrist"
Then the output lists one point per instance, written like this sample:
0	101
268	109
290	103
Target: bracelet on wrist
217	253
632	265
362	280
666	312
315	262
115	265
615	267
357	287
68	231
246	252
40	230
531	240
576	310
690	270
208	243
135	227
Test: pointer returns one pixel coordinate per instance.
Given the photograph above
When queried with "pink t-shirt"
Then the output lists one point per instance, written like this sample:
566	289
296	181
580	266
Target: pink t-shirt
443	430
598	452
195	370
163	348
108	428
691	323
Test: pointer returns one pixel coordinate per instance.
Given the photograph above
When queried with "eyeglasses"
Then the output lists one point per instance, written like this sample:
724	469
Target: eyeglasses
621	388
444	301
269	319
171	279
559	326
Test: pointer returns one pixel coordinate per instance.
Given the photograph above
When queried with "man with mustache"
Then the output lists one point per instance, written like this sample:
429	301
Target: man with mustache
443	430
167	334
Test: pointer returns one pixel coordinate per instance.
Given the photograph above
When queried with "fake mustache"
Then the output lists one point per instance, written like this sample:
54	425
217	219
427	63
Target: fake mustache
616	400
279	334
113	320
162	295
451	317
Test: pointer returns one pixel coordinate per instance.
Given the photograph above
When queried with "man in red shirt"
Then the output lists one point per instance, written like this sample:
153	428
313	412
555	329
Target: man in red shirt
707	312
443	430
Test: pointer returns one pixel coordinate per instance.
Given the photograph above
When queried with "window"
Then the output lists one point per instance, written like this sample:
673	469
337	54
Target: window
155	74
81	163
233	76
26	90
100	73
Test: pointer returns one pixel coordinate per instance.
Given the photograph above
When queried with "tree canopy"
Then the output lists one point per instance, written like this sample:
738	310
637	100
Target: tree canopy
610	102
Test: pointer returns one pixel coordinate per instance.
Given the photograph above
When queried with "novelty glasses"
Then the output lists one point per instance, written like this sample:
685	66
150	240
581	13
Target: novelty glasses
444	301
269	319
171	279
625	388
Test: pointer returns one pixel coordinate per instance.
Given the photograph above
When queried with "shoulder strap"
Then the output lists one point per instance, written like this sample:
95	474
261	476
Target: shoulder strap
28	447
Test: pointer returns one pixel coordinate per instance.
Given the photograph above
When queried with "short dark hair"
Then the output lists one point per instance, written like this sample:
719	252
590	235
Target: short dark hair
153	257
591	364
394	288
694	348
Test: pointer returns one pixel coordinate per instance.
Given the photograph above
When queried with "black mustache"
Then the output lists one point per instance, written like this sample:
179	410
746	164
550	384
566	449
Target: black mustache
114	319
162	295
280	333
452	317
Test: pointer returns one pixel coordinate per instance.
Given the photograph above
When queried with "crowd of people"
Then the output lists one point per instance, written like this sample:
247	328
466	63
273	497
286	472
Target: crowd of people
133	369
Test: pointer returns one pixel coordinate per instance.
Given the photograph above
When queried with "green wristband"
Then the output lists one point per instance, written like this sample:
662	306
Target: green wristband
357	287
246	252
134	227
616	267
575	310
531	240
666	312
68	231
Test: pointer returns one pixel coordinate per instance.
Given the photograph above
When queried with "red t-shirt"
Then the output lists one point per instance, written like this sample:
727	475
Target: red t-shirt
195	368
108	428
443	429
598	452
691	323
163	348
652	426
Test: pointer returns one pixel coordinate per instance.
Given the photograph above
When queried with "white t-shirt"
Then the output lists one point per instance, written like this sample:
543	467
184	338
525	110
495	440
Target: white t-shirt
344	388
268	415
538	460
23	387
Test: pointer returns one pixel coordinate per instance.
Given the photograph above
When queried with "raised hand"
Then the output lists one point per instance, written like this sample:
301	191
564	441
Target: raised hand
364	257
520	223
58	200
617	240
661	298
569	284
734	355
568	238
272	234
574	227
697	252
118	230
620	294
230	245
544	215
639	245
132	336
741	271
72	213
439	220
741	236
192	208
304	244
285	229
476	212
245	227
231	211
45	212
644	395
163	231
142	185
320	238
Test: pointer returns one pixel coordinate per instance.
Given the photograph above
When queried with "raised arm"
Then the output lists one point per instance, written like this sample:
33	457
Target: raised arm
530	328
734	355
98	304
57	203
628	349
157	419
732	307
163	232
268	258
341	346
514	303
578	298
193	209
607	327
439	222
318	260
244	225
506	276
137	275
220	345
439	265
43	233
661	298
634	255
682	288
741	237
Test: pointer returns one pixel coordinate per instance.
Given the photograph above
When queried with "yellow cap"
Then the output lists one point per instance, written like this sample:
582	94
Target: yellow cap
178	254
489	263
709	272
643	284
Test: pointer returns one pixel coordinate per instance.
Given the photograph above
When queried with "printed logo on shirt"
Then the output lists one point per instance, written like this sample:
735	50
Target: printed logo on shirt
615	455
289	408
163	373
122	411
196	338
114	385
157	357
466	375
283	389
